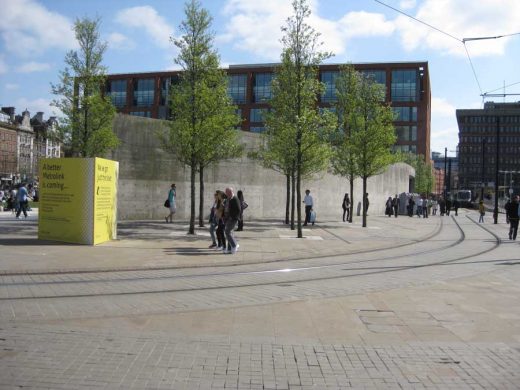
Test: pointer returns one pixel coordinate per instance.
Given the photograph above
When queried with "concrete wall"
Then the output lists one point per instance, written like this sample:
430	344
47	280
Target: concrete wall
146	173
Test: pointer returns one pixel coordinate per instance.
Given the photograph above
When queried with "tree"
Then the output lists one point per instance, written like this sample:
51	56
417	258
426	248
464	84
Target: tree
295	117
373	138
424	178
203	117
343	161
86	125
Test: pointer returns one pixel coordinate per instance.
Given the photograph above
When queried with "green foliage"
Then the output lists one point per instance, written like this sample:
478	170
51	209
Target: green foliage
202	129
297	133
86	125
424	177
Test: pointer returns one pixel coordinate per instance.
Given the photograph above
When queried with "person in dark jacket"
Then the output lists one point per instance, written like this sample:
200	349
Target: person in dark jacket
346	208
231	215
243	206
512	214
395	205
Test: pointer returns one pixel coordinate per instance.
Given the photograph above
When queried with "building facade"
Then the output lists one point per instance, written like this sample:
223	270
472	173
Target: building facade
407	86
478	146
23	142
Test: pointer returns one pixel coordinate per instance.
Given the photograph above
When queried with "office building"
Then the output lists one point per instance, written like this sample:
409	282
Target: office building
478	146
407	87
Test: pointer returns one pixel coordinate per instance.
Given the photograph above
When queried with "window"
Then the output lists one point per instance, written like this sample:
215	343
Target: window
404	85
405	148
379	76
146	114
406	133
329	79
237	88
257	114
406	114
117	92
143	92
257	129
262	87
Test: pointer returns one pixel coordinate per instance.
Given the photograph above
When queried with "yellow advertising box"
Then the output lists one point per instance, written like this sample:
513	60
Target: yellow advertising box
78	200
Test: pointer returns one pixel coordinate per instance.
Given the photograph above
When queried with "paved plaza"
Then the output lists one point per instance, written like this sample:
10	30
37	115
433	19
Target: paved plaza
405	303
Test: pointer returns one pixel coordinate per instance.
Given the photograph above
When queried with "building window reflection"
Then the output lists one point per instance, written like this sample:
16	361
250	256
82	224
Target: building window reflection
143	92
262	87
329	79
404	85
145	114
405	114
257	114
117	92
237	88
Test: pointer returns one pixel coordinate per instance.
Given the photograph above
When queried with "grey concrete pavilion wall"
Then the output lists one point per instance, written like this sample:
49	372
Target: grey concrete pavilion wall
146	173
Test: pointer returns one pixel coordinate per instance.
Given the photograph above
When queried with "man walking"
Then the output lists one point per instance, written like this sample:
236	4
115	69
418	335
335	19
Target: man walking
512	214
309	203
231	216
22	198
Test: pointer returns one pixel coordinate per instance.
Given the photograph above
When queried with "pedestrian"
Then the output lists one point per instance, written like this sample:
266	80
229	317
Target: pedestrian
506	207
395	205
435	206
419	207
456	206
172	203
219	216
346	207
388	207
243	206
366	203
448	206
22	198
213	223
513	212
442	206
231	216
309	204
482	212
411	204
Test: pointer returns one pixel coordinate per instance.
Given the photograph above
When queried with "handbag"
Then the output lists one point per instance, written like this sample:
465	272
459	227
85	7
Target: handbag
313	216
167	203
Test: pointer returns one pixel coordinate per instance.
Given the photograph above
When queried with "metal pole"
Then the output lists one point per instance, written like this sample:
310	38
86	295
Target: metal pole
484	140
495	211
445	157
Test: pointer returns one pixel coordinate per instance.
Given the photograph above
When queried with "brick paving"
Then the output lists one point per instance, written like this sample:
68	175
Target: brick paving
368	320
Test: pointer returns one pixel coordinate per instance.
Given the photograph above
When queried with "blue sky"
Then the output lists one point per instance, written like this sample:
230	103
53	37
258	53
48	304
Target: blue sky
36	34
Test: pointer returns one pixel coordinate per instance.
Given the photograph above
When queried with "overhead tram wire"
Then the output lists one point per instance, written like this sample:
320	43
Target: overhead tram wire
463	40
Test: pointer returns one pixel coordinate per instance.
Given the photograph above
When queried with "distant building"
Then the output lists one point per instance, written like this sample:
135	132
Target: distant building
478	145
24	140
446	169
407	90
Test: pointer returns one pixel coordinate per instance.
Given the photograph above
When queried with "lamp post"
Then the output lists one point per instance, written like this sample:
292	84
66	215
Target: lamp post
497	167
484	140
445	171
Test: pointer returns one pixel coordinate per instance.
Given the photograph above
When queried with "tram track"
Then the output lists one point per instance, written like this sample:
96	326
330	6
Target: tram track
354	272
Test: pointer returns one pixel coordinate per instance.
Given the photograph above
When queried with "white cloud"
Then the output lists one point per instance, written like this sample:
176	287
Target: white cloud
455	17
269	16
11	86
35	106
407	4
119	41
28	28
150	21
30	67
441	107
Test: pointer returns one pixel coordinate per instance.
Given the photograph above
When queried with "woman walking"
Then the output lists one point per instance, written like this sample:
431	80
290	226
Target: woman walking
172	195
213	223
219	215
346	207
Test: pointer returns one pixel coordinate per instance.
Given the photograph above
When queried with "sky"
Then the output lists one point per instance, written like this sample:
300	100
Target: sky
35	35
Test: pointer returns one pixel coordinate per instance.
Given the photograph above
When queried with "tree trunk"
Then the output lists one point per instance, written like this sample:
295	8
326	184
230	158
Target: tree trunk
364	201
298	184
288	198
351	180
293	200
192	208
201	196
